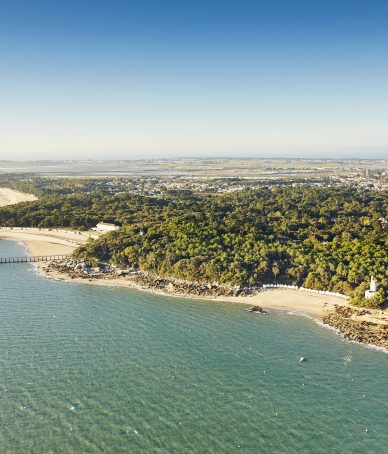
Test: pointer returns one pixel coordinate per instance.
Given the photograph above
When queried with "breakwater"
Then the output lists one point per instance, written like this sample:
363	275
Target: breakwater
32	258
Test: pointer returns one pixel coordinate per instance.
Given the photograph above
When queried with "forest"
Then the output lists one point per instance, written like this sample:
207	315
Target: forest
326	238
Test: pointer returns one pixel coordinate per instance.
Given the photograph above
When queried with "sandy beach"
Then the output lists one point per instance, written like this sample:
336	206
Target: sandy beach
12	197
46	242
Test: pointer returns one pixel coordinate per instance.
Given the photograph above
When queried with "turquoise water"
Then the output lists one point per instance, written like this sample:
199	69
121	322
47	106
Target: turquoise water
86	369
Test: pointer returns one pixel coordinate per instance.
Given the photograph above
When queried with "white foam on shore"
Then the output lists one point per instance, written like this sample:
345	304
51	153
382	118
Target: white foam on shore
374	347
22	244
346	339
331	328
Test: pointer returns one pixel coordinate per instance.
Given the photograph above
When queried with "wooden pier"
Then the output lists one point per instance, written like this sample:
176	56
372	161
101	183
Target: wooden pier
33	258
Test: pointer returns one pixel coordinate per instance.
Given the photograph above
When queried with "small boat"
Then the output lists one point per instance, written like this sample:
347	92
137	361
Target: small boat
301	359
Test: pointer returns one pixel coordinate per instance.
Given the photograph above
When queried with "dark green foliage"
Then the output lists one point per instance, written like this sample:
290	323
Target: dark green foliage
320	237
81	211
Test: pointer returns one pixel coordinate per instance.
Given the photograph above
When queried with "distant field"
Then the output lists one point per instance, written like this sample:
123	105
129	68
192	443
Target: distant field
226	167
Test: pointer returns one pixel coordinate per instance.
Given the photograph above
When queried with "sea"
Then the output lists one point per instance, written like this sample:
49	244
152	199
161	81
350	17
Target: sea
89	369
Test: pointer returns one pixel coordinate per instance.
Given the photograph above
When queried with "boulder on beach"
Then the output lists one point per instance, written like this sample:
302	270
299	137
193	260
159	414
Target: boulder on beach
257	309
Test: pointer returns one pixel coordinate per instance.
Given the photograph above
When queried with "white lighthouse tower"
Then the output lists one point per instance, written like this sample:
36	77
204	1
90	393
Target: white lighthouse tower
372	289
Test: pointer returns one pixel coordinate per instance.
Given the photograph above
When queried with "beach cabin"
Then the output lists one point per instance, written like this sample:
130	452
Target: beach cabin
105	227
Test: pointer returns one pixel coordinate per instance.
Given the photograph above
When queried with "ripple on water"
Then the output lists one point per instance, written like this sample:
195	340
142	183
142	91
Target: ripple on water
89	369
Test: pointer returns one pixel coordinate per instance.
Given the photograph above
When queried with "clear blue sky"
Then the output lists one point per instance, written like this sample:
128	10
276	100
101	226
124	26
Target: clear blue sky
132	79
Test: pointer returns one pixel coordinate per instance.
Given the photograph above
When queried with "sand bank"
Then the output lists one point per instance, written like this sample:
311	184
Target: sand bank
11	197
43	242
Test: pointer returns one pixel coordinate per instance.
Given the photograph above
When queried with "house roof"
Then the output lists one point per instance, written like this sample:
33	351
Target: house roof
107	224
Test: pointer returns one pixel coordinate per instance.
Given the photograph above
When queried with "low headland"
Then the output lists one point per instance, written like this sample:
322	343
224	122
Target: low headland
367	326
225	246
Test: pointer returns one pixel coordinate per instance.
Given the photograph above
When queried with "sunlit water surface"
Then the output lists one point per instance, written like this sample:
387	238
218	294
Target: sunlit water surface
90	369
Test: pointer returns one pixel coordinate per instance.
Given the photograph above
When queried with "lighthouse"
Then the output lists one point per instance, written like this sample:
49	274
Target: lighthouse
372	289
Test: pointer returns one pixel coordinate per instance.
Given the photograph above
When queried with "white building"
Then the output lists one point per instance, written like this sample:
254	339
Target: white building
372	290
105	227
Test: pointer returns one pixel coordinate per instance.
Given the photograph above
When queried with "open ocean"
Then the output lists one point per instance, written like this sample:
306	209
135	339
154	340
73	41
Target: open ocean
87	369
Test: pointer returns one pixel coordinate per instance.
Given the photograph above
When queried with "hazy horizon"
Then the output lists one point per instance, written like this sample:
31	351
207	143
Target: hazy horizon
275	155
128	80
188	158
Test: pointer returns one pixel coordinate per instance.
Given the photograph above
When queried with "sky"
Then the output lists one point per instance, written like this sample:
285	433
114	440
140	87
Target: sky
148	79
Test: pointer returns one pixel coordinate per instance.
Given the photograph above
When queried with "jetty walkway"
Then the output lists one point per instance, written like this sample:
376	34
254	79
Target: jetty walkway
32	258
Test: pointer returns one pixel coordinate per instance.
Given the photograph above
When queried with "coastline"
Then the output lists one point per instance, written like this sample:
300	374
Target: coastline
310	305
367	326
45	241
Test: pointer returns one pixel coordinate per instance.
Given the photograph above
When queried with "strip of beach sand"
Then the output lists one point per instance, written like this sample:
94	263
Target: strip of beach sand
311	305
12	197
46	241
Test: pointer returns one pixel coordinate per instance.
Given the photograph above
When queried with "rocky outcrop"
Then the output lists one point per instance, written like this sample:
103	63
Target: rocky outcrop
349	322
180	286
257	309
73	269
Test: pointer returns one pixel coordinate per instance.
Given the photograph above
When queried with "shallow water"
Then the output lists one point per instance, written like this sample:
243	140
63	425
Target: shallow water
91	369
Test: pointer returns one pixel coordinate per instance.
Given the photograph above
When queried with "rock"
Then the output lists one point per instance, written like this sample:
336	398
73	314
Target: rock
357	330
257	309
363	312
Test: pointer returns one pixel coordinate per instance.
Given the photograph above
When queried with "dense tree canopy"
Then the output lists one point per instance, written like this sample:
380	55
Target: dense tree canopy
320	237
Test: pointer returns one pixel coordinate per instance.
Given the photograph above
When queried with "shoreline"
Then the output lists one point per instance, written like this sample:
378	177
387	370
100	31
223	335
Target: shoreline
365	326
45	241
309	305
356	324
313	311
362	326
